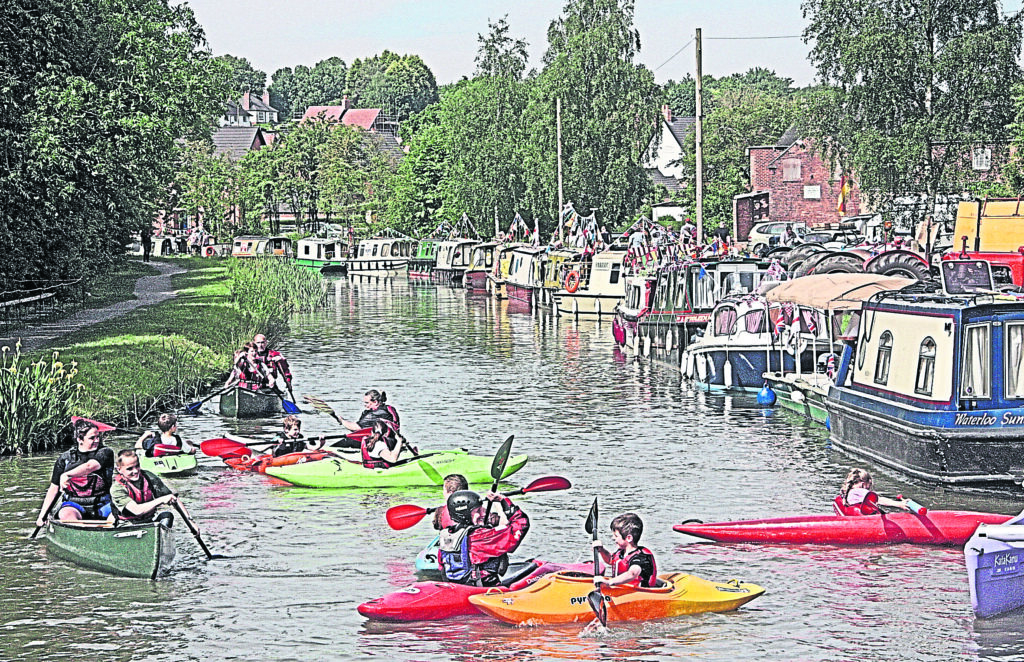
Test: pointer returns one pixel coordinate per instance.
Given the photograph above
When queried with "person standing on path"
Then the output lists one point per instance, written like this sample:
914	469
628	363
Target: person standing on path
147	243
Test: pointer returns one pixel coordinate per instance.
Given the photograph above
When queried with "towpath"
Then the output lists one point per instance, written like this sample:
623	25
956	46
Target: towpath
148	290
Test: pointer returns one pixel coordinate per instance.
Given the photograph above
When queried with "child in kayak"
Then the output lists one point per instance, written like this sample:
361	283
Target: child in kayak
165	442
452	484
474	554
632	564
857	496
289	440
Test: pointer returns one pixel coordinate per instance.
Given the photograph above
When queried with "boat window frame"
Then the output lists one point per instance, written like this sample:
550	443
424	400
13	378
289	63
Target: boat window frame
1007	326
965	346
927	362
884	349
385	250
735	320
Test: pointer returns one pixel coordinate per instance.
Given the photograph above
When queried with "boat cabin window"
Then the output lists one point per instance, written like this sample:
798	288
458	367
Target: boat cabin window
1014	349
305	249
385	250
925	368
362	250
976	376
725	321
374	254
613	277
884	358
753	322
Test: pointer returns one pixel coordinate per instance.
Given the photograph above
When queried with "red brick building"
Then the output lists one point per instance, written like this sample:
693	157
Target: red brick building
799	184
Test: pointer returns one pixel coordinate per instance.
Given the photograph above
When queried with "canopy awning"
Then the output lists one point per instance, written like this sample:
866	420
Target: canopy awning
834	291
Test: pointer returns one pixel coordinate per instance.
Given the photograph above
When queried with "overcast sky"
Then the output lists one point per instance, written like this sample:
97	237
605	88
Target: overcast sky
273	34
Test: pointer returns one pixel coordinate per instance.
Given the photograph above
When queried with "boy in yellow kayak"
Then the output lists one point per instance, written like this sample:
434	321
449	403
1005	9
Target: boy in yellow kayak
632	564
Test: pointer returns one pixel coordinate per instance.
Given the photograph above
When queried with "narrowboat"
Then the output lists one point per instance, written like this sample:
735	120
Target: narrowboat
556	263
421	265
635	303
937	382
497	278
995	567
453	256
481	263
746	338
592	288
328	256
838	298
241	402
178	464
381	257
253	246
526	274
684	293
134	550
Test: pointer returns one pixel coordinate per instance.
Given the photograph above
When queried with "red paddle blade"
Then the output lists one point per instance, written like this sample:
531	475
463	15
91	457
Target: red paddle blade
102	427
224	447
548	484
359	435
402	517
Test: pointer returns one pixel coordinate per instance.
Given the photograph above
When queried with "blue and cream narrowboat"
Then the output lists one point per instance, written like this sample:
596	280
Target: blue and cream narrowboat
381	257
937	382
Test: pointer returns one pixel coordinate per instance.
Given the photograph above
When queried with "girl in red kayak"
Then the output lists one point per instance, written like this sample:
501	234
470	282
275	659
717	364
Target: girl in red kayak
857	496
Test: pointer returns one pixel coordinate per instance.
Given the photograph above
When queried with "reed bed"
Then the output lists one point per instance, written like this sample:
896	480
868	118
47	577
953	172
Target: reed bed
36	400
269	288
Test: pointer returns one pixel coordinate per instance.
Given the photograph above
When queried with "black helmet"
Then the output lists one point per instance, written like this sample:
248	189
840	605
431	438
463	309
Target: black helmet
461	505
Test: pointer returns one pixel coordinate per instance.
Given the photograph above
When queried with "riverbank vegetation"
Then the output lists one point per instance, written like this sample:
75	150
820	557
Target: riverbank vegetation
38	397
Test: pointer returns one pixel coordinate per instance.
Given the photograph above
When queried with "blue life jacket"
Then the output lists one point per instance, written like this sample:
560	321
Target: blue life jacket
456	565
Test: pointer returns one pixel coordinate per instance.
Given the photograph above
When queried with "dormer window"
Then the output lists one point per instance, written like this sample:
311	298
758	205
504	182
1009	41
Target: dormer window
925	368
884	359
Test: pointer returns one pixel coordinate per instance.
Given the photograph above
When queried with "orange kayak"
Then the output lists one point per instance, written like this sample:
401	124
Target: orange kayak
562	598
260	463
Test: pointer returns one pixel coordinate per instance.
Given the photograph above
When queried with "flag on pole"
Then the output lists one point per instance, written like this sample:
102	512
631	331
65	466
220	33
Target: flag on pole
844	193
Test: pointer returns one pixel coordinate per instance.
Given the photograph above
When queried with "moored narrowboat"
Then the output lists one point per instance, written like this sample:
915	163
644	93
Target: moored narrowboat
481	263
453	256
937	382
324	255
134	550
381	256
254	246
525	274
592	288
421	264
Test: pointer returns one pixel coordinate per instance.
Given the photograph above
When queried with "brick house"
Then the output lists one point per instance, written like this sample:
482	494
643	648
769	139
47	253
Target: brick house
368	119
248	111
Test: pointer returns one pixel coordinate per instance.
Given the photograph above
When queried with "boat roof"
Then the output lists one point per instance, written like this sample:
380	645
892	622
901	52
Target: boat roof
835	291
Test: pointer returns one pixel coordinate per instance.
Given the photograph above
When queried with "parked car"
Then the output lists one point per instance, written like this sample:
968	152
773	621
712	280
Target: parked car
764	236
833	240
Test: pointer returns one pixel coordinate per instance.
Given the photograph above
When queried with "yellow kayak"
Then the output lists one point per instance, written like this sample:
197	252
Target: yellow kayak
562	598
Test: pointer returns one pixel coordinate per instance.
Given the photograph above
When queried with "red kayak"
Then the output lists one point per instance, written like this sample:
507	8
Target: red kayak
259	463
435	601
936	527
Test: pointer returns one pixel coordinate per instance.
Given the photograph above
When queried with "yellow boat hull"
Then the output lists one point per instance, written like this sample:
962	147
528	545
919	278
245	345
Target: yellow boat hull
562	598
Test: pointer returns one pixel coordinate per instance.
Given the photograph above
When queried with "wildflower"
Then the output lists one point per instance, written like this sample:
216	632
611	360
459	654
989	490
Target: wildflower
6	349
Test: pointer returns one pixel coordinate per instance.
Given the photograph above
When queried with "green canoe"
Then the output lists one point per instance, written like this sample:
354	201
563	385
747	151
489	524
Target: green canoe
339	472
245	403
170	465
134	550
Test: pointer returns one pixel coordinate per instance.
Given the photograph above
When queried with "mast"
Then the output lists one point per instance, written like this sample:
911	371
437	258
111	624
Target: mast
558	136
699	136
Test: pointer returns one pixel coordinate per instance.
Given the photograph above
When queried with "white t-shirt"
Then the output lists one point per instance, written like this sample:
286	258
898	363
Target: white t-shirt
856	495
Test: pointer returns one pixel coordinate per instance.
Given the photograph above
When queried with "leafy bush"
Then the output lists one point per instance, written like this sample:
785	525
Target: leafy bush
37	401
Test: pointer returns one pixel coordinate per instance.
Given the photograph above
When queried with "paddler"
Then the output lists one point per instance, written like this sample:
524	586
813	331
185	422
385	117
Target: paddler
857	496
249	371
376	409
166	441
138	494
471	553
380	449
452	484
290	439
82	475
631	563
276	364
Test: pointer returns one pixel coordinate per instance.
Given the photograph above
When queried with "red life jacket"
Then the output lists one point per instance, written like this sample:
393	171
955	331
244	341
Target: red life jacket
866	507
621	564
373	462
143	495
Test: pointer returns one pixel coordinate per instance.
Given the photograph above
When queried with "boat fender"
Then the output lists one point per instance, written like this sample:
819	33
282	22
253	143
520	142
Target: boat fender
572	281
766	397
210	251
727	374
797	396
647	345
828	423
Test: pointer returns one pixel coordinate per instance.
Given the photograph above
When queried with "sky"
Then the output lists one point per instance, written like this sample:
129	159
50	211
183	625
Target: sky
737	34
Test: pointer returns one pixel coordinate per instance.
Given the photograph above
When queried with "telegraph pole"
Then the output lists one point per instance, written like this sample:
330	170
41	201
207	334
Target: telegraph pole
558	140
699	136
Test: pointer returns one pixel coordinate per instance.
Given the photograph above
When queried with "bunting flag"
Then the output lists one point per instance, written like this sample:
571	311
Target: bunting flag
811	326
780	322
844	193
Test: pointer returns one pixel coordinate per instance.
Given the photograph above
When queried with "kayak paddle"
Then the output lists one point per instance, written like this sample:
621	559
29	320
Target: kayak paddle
224	447
403	517
432	473
102	427
497	470
193	408
195	533
595	598
914	506
288	406
321	406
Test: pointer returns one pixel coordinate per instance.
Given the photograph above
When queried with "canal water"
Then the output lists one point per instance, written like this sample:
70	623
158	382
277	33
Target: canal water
465	371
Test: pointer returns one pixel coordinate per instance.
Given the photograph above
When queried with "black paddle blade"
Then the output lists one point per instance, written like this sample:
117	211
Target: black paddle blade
501	458
597	604
591	525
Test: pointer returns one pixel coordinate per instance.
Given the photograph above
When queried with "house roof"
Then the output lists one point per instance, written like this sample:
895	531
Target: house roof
362	117
682	128
388	145
237	141
330	113
791	135
671	183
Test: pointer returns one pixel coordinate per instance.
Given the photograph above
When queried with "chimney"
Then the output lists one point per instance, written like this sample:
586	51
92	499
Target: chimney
266	97
345	103
245	100
667	112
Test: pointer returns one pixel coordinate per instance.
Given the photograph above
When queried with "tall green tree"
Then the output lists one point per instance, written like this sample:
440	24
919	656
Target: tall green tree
916	84
399	84
95	98
244	77
292	91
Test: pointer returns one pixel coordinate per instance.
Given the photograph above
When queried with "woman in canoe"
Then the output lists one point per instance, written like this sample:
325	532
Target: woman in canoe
857	496
249	371
82	475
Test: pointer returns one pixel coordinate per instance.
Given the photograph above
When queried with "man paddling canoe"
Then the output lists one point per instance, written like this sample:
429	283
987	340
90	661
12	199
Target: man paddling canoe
82	475
276	364
249	371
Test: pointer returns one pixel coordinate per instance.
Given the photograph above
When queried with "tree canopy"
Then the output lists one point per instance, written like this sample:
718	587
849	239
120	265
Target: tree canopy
244	77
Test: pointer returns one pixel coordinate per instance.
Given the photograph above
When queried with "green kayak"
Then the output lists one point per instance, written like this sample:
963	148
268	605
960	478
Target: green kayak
170	465
134	550
339	472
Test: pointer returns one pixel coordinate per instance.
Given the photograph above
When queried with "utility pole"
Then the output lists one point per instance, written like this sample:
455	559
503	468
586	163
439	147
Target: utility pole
699	135
558	140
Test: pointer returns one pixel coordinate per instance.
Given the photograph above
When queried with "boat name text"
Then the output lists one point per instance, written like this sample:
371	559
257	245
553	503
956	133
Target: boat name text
983	420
